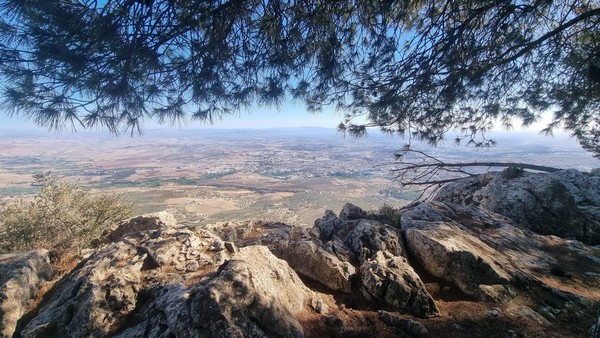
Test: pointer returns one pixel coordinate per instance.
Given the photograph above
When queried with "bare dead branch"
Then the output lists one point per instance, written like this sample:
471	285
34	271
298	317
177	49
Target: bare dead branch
480	164
427	173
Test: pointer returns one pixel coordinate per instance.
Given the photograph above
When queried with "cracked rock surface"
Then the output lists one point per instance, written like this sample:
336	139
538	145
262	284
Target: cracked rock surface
453	267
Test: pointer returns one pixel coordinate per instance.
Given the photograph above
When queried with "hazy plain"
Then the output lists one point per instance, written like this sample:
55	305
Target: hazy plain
290	175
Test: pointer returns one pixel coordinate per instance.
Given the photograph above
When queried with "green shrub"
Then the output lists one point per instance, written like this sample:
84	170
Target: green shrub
60	217
389	215
513	172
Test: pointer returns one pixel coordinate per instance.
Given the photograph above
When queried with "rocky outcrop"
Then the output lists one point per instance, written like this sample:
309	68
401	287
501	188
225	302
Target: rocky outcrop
21	276
452	268
253	295
441	240
354	254
173	281
392	280
565	203
311	260
376	249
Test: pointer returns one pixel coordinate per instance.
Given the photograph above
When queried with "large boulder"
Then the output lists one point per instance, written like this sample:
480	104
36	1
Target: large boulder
97	297
393	282
21	276
565	203
253	295
162	280
308	258
439	240
487	257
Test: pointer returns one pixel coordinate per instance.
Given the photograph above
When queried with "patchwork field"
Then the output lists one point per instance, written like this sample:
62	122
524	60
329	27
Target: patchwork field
289	175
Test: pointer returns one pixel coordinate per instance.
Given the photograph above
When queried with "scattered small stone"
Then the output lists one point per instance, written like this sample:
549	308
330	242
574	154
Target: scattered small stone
544	311
494	312
413	327
319	306
192	266
230	246
216	246
457	326
528	312
511	334
389	318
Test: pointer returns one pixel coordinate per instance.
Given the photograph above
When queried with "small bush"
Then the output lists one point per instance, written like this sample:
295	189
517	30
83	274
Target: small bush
513	172
60	217
389	215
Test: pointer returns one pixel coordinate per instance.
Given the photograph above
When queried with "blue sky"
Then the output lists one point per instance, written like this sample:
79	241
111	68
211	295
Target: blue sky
289	115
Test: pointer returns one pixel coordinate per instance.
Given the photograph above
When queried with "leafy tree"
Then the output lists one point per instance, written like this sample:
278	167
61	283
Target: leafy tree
61	217
412	67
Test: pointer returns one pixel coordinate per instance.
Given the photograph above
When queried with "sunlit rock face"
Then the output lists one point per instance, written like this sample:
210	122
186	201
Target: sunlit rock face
21	276
445	264
565	203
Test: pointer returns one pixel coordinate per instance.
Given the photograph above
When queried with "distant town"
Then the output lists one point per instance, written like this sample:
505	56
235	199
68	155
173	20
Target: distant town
289	175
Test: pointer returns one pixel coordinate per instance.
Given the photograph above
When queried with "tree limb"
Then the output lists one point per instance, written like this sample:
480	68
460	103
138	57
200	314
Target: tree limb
480	164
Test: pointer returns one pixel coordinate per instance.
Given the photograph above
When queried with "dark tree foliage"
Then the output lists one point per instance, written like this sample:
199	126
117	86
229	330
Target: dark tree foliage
413	67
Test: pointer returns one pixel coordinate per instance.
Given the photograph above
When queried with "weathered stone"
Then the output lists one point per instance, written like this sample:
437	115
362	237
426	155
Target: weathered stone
564	203
433	289
447	250
335	322
370	237
146	222
351	211
309	259
394	282
21	276
527	312
97	297
413	327
253	295
327	225
487	257
93	298
319	305
230	246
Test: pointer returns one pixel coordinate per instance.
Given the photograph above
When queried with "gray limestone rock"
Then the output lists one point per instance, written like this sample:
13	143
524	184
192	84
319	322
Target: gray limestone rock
370	237
351	211
252	295
393	281
97	297
565	203
327	225
309	259
21	276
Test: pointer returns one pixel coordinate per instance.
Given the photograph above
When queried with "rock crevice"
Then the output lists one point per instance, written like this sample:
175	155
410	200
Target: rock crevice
347	276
